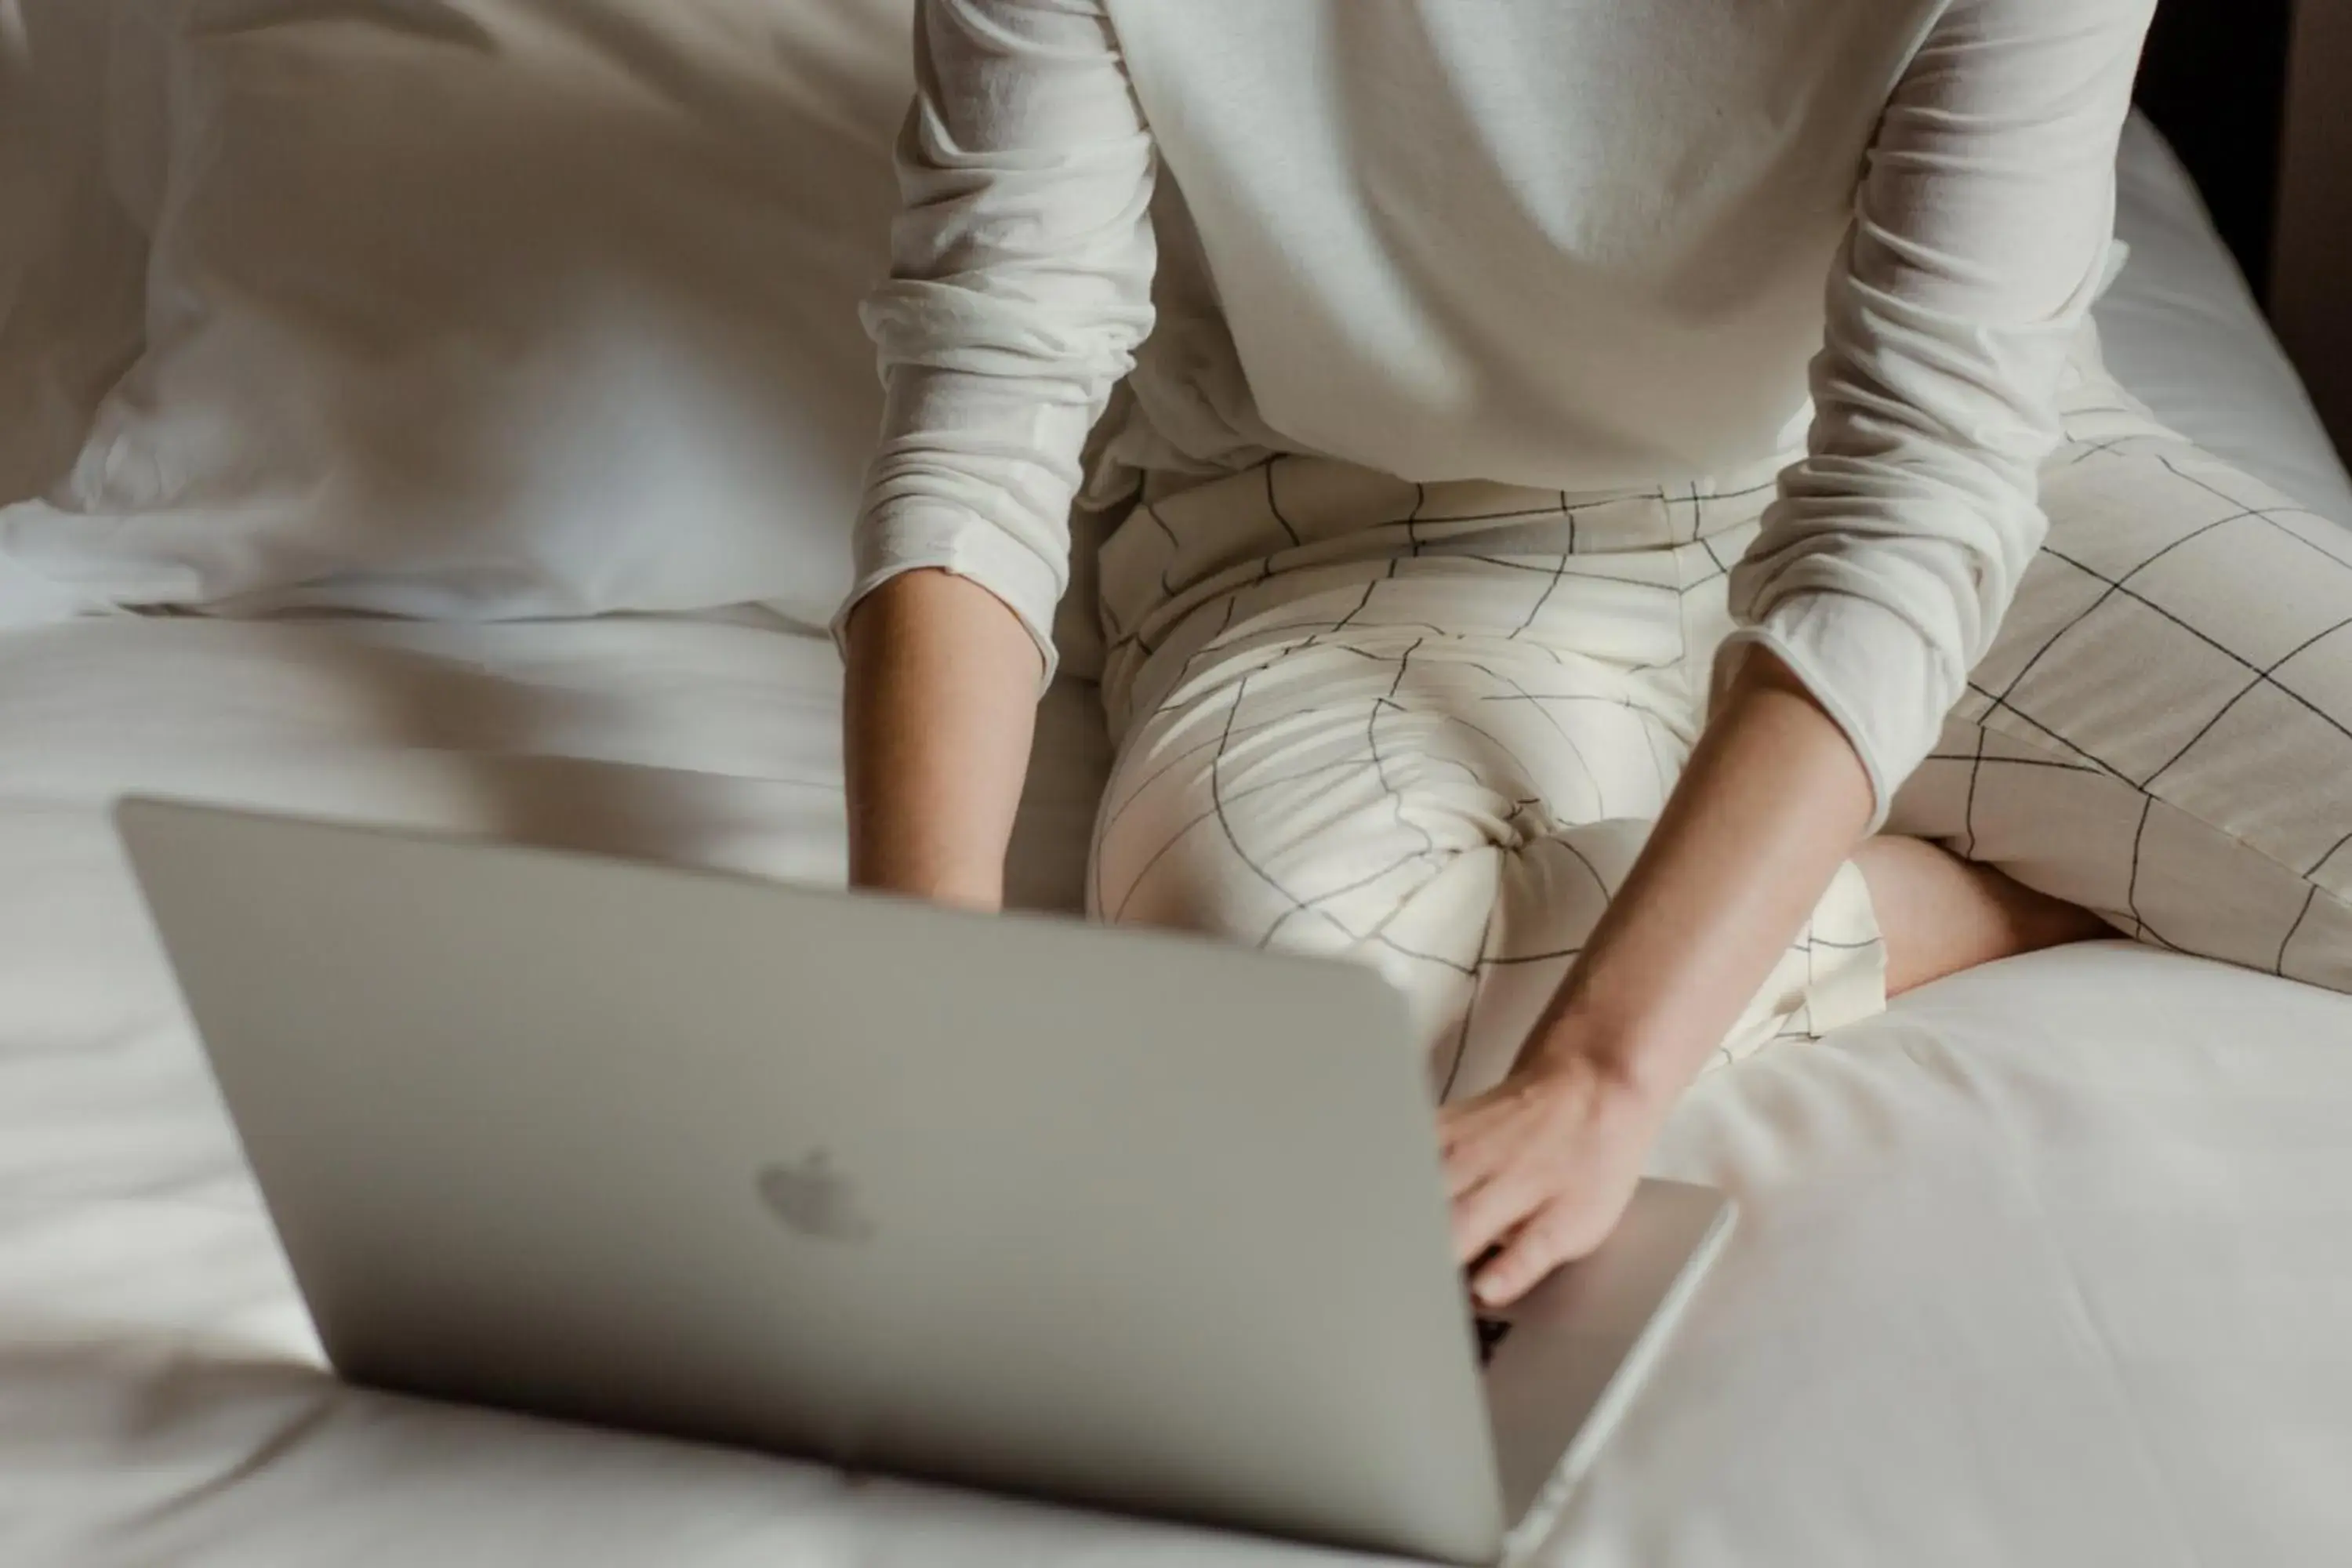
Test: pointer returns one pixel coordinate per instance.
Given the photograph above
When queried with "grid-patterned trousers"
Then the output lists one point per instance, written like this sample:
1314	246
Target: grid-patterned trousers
1430	728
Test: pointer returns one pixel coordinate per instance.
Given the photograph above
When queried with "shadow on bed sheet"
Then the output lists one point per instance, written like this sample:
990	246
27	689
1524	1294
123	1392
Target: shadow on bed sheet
602	739
191	1453
693	743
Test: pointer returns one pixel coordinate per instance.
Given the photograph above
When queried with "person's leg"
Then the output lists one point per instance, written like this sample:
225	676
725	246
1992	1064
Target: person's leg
2162	734
1939	914
1395	776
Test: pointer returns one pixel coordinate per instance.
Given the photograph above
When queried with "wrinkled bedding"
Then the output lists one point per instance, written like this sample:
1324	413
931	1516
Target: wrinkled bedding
2050	1265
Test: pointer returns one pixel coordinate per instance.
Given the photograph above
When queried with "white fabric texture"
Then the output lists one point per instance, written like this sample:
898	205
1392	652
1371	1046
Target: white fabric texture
2048	1267
483	309
1442	760
1441	756
2183	330
85	146
71	261
1655	226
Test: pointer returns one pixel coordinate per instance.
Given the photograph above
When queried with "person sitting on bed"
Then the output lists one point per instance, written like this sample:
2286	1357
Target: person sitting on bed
1618	520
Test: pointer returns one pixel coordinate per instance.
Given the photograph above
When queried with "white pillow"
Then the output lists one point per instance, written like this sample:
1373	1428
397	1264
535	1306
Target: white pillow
492	309
2183	332
72	265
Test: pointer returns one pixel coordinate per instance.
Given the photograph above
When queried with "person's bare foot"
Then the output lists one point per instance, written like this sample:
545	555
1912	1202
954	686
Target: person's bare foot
1939	914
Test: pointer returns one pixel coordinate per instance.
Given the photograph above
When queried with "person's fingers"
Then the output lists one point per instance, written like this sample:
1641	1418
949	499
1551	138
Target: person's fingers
1565	1231
1468	1122
1476	1154
1464	1174
1488	1212
1528	1256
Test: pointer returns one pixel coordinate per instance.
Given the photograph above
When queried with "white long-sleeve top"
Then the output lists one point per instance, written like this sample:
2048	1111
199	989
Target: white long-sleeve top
1567	244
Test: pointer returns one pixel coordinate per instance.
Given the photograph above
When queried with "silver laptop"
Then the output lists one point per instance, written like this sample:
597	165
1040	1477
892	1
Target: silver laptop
1113	1217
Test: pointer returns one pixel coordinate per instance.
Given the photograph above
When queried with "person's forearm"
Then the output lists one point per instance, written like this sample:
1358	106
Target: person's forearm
941	707
1773	801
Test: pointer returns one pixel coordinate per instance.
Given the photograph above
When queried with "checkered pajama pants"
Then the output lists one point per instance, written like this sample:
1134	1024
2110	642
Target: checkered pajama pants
1435	742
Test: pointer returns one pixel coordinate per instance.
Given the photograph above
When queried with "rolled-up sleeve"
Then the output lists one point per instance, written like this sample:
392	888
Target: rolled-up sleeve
1980	237
1020	287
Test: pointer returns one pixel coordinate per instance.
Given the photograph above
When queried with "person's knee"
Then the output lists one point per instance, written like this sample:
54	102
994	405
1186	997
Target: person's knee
1310	857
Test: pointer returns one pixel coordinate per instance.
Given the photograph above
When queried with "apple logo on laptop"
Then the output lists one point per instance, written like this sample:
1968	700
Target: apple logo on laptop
813	1199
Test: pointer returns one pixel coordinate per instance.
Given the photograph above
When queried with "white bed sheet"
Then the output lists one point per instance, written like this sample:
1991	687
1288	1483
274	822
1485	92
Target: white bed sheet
2181	328
2050	1265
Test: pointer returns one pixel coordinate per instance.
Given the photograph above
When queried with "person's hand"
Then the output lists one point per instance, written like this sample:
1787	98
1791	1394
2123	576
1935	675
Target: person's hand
1774	799
1543	1167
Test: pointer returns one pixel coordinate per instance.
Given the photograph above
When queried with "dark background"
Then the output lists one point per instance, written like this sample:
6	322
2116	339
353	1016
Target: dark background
2215	85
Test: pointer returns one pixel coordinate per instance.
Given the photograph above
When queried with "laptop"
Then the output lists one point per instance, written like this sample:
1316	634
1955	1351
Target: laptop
1106	1216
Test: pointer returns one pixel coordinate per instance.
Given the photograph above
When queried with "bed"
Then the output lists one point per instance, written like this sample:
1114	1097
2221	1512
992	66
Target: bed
2050	1265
